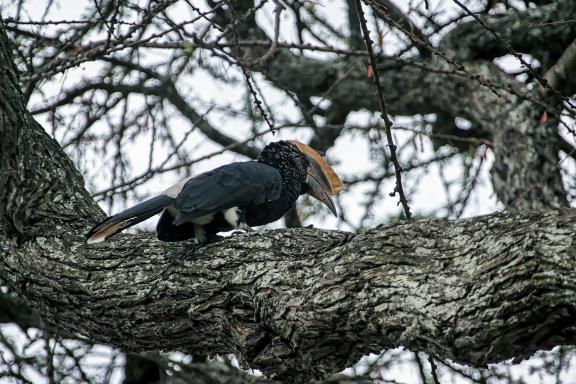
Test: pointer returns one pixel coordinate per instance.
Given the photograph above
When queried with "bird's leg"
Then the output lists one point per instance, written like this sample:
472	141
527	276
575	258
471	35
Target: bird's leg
242	221
237	219
246	227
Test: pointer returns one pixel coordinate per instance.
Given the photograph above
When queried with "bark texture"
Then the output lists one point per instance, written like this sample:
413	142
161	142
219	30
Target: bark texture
476	291
296	303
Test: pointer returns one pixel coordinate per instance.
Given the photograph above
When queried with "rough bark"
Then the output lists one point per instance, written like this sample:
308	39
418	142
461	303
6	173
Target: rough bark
296	303
311	302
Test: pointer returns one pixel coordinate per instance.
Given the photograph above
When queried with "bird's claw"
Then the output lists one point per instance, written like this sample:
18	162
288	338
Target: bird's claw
246	227
242	230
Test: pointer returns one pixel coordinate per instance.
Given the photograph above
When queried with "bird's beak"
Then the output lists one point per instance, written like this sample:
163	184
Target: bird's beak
318	189
322	180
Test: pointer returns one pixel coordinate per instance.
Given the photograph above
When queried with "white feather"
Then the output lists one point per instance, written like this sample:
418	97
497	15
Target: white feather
231	216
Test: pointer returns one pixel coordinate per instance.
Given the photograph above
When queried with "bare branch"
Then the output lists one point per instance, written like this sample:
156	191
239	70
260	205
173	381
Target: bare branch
384	112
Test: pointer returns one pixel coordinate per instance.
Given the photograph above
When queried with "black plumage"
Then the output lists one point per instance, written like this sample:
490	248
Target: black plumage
261	191
234	196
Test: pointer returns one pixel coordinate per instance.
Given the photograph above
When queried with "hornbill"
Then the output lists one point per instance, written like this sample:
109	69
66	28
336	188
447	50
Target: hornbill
234	196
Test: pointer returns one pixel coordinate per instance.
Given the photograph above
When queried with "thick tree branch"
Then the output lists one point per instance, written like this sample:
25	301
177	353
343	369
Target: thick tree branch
296	303
537	31
302	302
558	76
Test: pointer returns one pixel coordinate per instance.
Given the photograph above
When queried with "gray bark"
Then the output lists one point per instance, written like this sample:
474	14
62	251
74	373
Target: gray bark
296	303
308	301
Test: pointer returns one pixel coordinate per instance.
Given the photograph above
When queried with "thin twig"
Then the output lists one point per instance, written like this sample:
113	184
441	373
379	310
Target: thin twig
420	368
257	102
384	112
433	369
248	76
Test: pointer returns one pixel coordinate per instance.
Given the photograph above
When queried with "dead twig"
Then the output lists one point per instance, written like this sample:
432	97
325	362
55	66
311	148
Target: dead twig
384	112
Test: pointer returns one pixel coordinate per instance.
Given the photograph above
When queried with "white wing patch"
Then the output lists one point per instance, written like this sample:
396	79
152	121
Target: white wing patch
231	216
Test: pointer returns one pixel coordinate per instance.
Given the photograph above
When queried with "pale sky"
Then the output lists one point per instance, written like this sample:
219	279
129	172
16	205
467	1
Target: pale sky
350	155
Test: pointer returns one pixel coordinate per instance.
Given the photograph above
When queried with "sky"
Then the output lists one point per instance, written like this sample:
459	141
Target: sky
349	155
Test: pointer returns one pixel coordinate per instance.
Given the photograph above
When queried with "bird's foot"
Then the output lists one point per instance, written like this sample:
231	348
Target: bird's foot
246	227
243	229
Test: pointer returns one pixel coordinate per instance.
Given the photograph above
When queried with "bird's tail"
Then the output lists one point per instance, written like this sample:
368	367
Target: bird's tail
128	218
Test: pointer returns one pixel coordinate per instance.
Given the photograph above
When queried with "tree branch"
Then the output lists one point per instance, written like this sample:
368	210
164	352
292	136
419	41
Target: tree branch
296	303
535	31
558	76
308	302
399	188
387	11
167	90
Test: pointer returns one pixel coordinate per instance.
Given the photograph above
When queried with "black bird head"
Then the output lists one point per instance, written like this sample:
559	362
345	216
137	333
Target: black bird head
302	166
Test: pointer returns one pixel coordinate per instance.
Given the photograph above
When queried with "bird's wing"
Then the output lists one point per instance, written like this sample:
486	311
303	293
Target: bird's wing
232	185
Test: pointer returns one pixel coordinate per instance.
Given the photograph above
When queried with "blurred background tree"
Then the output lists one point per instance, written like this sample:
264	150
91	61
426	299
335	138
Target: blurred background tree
142	92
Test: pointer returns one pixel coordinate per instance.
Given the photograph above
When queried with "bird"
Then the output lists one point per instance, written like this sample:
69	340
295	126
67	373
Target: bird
235	196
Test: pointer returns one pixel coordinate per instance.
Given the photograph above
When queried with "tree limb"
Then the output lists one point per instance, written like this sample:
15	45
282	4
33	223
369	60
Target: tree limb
296	303
309	302
535	31
558	76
